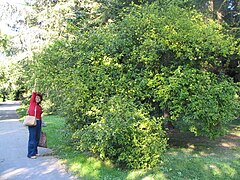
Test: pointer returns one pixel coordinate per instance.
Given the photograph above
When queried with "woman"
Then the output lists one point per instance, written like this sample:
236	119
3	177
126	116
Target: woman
34	109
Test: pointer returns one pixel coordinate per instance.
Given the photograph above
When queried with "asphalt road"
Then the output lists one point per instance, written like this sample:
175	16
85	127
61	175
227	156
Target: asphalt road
14	164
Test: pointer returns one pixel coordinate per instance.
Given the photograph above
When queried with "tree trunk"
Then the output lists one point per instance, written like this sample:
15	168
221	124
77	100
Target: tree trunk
215	6
168	124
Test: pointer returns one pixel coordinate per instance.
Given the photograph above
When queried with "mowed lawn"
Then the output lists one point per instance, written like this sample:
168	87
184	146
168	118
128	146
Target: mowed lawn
188	157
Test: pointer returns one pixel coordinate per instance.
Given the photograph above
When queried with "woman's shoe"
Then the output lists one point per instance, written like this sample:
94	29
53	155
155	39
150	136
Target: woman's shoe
33	157
37	154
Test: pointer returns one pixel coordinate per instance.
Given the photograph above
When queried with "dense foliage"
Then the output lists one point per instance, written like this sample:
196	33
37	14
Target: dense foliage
113	83
119	70
125	134
197	100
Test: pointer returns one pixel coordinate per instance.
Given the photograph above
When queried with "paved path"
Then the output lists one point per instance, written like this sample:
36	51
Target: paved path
14	164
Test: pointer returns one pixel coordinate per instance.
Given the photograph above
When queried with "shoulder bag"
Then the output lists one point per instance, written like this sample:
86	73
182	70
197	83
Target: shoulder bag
30	120
43	140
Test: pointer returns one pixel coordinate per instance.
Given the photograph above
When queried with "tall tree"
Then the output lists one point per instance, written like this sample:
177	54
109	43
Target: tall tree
227	11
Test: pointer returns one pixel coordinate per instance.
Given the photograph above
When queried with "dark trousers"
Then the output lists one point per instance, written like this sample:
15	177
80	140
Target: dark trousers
34	136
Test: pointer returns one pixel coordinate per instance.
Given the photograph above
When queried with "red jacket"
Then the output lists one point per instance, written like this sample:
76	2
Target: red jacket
33	104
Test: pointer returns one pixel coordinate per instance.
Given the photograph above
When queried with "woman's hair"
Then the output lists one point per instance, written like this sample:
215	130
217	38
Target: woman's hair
40	95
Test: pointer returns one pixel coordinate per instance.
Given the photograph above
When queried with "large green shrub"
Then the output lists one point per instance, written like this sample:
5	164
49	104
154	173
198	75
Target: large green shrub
198	100
112	83
125	134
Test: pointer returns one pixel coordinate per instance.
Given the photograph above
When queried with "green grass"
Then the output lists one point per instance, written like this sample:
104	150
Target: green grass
203	159
188	157
22	111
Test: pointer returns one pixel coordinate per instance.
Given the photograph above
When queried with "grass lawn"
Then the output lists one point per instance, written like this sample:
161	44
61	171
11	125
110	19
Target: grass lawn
188	157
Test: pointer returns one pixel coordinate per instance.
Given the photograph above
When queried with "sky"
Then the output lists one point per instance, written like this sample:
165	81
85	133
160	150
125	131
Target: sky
13	1
4	28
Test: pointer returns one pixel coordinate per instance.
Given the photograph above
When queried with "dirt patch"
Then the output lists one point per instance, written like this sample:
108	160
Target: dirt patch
231	140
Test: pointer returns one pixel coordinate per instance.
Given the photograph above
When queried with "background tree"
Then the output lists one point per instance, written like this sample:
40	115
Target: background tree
13	27
30	27
3	42
228	14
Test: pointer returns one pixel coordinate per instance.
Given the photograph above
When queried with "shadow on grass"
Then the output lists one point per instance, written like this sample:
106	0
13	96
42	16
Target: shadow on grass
231	140
188	165
191	157
188	157
178	165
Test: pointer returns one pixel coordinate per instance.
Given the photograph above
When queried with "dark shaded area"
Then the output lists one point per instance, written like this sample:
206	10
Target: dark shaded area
179	139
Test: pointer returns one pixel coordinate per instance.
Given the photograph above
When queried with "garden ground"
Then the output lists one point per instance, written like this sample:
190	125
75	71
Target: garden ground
188	157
